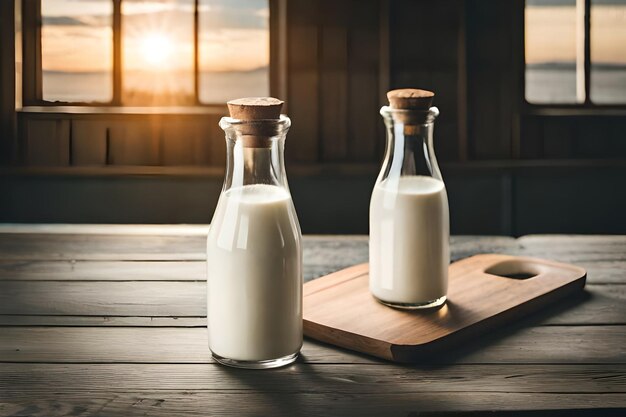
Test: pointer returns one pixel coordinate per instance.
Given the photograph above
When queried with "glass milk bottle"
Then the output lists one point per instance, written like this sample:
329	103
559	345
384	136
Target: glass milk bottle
409	220
254	248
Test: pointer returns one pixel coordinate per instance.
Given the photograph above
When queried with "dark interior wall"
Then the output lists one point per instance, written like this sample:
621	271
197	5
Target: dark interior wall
497	200
509	168
495	55
7	81
334	80
427	50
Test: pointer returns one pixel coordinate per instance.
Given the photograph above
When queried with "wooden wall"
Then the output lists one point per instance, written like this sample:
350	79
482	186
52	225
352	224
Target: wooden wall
427	50
590	136
334	80
510	168
158	139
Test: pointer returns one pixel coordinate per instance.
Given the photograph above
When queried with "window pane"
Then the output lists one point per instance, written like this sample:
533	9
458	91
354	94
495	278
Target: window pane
550	36
157	56
608	51
76	50
234	49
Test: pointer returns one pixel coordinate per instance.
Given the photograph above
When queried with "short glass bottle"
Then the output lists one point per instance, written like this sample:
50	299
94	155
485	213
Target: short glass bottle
409	215
254	252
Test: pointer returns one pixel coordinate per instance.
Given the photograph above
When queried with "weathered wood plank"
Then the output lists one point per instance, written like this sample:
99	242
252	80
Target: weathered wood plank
549	344
320	250
70	270
321	256
102	270
43	246
305	402
576	244
103	298
97	321
330	378
599	304
107	229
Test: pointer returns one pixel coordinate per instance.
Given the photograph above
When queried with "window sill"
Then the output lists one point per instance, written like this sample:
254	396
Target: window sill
570	111
101	110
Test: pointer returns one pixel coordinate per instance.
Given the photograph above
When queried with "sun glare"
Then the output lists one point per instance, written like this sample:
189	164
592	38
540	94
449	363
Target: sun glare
156	48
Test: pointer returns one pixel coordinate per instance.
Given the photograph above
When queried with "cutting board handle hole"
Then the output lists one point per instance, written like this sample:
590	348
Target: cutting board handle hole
514	269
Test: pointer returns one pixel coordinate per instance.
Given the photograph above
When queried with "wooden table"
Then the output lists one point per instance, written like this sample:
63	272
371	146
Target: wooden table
110	321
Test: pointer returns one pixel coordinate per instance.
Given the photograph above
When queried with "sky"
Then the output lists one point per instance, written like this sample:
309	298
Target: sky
551	31
157	35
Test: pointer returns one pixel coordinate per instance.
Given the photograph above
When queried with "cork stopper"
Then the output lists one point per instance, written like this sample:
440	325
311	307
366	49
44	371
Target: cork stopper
261	109
255	108
416	101
410	99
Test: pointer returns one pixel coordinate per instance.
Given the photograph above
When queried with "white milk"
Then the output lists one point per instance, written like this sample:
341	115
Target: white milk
409	240
254	275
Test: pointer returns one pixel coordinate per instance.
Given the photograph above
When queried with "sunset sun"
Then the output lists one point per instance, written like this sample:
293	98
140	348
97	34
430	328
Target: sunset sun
155	49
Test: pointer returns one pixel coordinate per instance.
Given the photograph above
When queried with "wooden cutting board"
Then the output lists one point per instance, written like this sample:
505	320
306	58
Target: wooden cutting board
484	291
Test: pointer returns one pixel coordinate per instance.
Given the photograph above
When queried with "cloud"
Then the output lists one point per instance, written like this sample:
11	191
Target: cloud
62	21
233	19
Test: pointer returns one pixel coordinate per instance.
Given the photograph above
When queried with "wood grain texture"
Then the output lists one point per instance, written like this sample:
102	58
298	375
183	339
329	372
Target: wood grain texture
140	303
514	345
303	82
135	142
101	247
102	270
364	379
67	349
365	134
149	299
334	82
478	300
187	141
89	142
97	321
26	257
47	143
321	251
306	402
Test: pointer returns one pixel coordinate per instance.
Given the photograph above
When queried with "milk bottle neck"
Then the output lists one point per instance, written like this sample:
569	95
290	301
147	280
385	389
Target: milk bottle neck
409	148
255	152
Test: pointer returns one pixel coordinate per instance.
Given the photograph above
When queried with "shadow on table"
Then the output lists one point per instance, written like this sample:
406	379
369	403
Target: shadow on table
279	391
502	331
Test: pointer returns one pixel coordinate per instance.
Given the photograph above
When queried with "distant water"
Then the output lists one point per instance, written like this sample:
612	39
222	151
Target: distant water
215	87
557	84
544	84
77	87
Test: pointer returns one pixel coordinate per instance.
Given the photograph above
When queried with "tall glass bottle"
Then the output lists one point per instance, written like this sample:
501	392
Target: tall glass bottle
254	250
409	219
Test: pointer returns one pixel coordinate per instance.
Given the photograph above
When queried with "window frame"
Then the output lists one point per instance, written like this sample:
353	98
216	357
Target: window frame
32	92
588	107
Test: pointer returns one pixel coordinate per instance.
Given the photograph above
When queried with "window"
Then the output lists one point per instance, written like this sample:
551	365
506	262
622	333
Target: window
151	52
575	51
77	51
234	50
608	51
